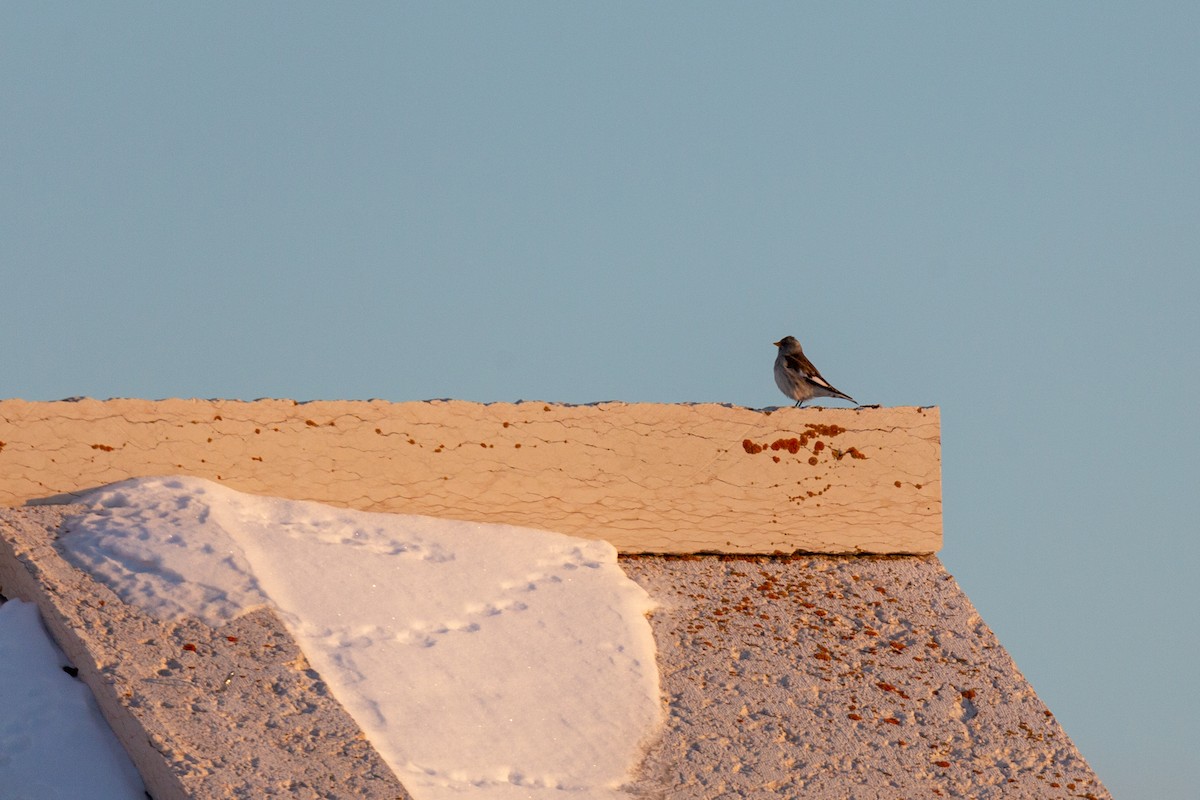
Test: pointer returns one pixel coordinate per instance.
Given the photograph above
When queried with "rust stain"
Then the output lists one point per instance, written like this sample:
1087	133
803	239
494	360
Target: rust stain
825	430
104	447
887	687
795	444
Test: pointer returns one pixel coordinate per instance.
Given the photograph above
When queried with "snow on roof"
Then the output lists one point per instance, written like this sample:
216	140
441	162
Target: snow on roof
477	658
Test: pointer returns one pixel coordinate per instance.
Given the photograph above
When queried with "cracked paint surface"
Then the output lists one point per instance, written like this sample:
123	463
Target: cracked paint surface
645	477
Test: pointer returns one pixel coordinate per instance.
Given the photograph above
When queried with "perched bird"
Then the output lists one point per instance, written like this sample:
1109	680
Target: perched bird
797	377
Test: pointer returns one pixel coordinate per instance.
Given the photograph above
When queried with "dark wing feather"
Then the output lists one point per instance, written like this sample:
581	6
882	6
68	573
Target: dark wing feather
800	364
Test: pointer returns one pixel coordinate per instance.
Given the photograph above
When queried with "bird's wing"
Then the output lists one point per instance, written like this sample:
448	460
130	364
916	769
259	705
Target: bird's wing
799	363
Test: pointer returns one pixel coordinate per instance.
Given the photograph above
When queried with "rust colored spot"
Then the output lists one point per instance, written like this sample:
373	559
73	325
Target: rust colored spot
379	431
517	445
775	459
897	484
812	460
969	694
825	430
751	447
310	423
483	444
887	687
412	441
216	416
103	447
256	458
891	721
897	646
945	764
545	408
506	424
257	430
854	717
818	447
232	638
191	648
1	445
918	486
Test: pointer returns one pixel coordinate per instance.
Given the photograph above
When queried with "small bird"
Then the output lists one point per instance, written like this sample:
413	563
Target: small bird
797	377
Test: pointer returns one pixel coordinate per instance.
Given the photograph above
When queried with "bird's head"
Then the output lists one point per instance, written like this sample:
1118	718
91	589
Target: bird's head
788	344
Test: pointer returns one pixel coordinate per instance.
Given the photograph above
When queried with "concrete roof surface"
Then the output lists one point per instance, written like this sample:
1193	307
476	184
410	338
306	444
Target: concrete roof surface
812	676
841	677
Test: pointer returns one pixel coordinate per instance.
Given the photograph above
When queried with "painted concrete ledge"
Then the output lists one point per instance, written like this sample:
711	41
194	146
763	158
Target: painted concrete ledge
821	677
650	478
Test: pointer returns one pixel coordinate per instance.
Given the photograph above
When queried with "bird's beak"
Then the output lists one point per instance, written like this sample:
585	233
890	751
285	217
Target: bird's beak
775	343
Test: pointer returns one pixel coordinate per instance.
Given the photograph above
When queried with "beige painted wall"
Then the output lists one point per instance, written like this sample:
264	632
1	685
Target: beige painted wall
646	477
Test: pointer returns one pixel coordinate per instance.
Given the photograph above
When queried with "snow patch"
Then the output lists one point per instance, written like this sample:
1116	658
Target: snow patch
481	660
54	742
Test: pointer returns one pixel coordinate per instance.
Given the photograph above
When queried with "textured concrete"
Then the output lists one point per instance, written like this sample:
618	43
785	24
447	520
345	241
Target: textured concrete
204	713
814	677
831	678
647	477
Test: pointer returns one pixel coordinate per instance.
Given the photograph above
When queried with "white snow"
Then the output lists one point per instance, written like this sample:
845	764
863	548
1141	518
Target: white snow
54	744
481	660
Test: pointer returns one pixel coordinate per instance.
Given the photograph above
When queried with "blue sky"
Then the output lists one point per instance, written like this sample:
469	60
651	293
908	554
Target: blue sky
992	209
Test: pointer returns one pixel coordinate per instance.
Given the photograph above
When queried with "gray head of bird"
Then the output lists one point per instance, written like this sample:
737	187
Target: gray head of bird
788	345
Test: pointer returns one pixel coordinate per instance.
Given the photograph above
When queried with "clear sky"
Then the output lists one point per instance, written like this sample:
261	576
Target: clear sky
990	208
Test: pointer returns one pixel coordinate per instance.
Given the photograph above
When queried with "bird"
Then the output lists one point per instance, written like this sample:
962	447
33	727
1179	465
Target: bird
797	377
